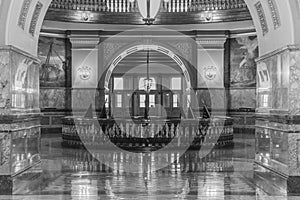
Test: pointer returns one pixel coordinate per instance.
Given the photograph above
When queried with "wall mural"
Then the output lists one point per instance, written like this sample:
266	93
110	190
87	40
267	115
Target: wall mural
52	55
243	52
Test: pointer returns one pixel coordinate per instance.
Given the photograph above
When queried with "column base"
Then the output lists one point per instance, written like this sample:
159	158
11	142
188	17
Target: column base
6	183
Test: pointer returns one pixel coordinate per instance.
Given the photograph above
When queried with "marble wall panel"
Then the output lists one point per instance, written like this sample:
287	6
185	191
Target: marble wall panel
242	98
24	81
53	98
294	97
52	72
5	82
83	98
243	52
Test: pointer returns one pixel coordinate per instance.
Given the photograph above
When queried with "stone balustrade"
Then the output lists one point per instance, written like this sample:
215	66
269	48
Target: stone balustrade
135	135
124	6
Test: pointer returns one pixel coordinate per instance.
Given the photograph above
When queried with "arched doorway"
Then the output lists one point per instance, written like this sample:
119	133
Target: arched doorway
170	94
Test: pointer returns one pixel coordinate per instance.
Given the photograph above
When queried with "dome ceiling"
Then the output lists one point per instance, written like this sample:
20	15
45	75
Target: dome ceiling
126	11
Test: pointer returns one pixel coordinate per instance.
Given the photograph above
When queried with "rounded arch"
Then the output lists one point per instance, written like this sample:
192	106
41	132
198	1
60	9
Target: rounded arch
264	14
136	48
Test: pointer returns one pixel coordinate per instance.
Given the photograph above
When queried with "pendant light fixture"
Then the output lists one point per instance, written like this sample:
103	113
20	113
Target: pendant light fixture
149	10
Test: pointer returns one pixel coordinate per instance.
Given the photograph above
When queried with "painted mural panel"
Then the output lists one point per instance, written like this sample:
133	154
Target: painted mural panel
243	98
52	98
52	53
243	52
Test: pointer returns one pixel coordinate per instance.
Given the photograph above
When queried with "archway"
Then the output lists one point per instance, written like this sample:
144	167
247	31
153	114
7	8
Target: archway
158	48
273	19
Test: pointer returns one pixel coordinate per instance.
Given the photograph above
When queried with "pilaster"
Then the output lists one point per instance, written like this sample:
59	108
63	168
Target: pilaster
85	57
19	114
277	114
210	68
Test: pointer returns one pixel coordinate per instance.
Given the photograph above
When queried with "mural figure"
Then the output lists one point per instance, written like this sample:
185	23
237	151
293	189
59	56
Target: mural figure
52	54
243	65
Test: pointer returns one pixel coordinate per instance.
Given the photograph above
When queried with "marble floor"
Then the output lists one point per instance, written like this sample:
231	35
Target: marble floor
224	174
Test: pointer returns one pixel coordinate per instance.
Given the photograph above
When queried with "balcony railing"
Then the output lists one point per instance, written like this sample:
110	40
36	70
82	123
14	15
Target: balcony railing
125	6
127	134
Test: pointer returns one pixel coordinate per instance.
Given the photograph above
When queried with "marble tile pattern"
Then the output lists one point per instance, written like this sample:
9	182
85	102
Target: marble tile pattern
5	148
74	174
294	88
243	52
25	81
82	98
53	98
242	98
5	82
294	154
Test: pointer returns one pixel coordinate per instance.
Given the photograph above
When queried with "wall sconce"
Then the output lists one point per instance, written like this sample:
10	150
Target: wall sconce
86	16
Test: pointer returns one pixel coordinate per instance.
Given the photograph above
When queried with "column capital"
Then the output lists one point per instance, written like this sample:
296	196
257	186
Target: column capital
205	42
79	42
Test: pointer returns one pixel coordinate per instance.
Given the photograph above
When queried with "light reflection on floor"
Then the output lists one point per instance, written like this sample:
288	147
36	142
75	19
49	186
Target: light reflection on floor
224	174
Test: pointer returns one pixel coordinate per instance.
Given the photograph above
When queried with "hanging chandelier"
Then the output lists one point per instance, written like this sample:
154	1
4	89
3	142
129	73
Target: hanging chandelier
149	10
148	82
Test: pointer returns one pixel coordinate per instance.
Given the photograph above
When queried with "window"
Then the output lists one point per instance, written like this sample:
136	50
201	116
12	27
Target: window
188	100
151	100
119	101
176	83
175	101
118	83
265	100
142	101
106	101
142	83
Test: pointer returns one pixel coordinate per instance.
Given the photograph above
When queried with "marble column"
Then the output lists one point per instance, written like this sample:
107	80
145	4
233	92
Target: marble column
85	61
19	115
210	67
278	117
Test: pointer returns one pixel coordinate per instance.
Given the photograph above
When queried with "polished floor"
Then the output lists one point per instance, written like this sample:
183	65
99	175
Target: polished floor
224	174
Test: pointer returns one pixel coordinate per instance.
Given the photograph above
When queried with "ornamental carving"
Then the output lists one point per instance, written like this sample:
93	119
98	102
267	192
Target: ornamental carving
35	17
110	49
275	14
24	13
184	48
262	18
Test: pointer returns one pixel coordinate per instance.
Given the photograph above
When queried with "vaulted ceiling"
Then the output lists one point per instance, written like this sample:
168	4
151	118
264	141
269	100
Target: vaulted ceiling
126	11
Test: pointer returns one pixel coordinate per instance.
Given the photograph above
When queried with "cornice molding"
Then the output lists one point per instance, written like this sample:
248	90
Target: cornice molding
84	42
211	43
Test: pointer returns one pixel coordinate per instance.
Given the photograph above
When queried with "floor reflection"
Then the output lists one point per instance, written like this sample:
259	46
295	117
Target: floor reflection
223	174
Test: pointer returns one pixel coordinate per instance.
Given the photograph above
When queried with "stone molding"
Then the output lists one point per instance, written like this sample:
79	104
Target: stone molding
211	43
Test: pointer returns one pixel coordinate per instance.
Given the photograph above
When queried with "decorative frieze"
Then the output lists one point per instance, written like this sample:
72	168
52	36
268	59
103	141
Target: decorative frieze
262	18
24	13
35	17
275	14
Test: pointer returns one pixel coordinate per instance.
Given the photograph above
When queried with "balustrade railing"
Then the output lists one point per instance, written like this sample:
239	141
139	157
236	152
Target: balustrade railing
125	6
128	134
